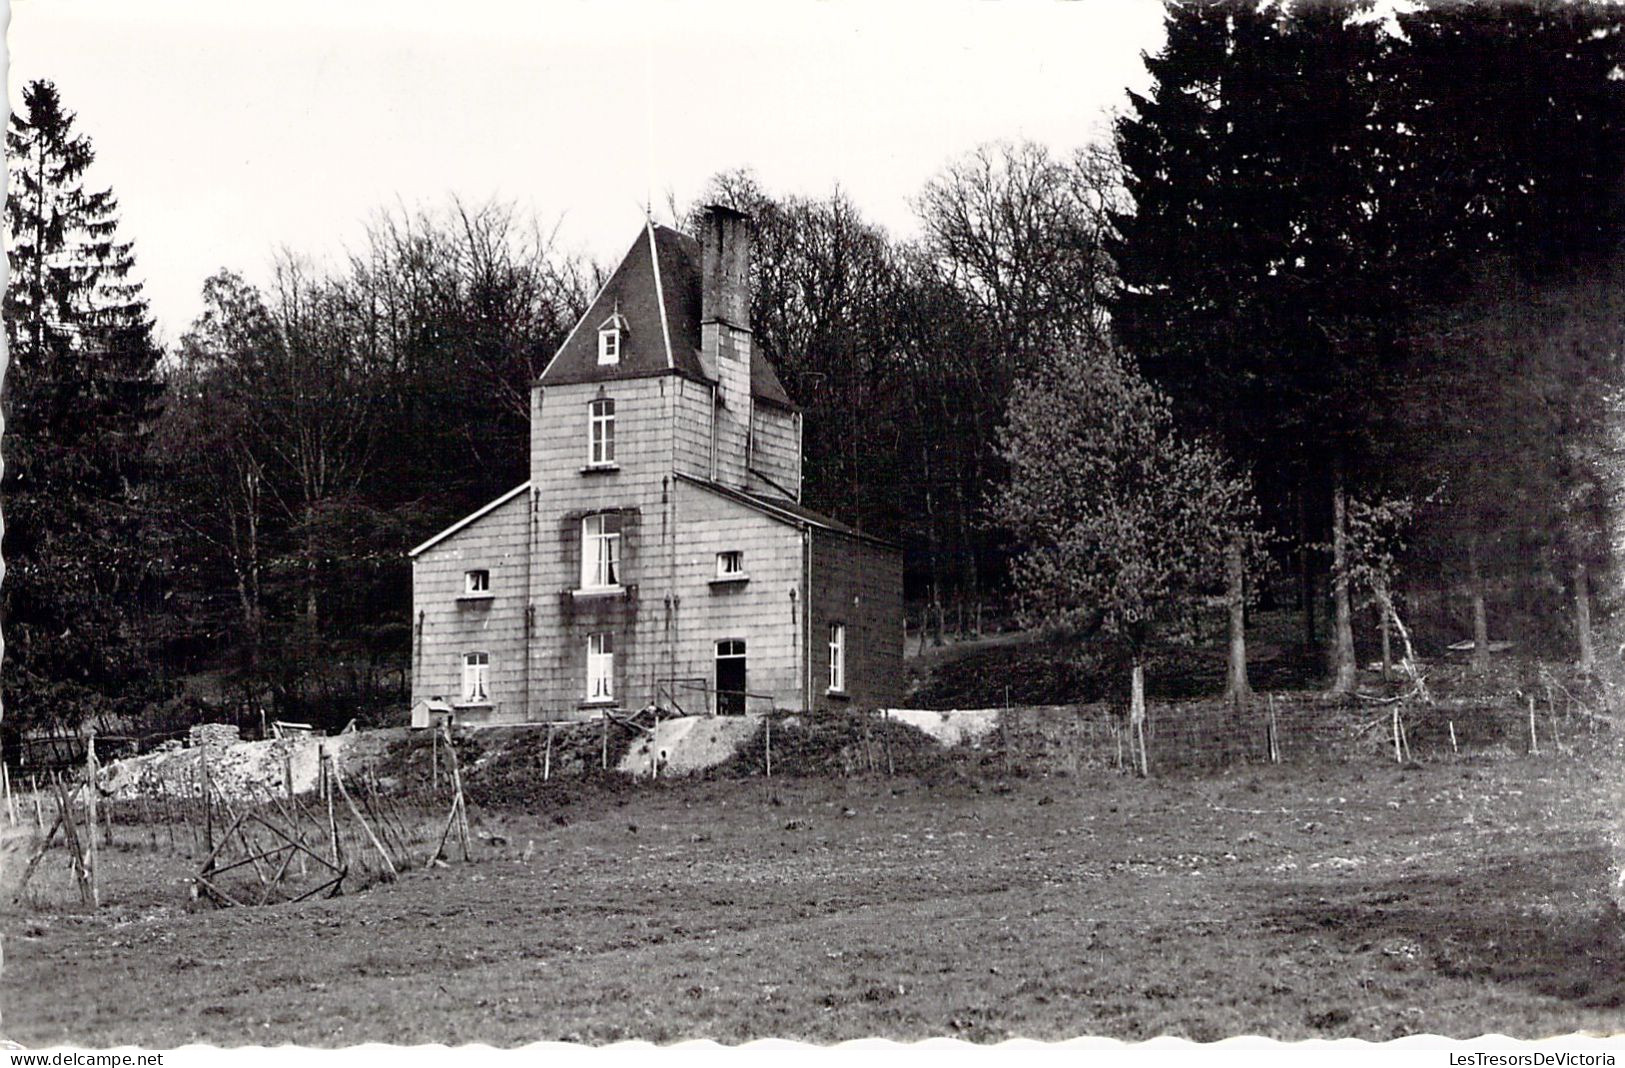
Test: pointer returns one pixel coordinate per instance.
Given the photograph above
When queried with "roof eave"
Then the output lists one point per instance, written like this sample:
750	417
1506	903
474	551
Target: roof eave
469	520
784	515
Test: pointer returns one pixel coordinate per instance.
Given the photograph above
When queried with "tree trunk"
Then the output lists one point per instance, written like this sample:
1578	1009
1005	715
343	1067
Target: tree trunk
1237	690
1385	629
970	594
1136	715
1306	575
1475	590
1343	667
933	552
311	572
1582	618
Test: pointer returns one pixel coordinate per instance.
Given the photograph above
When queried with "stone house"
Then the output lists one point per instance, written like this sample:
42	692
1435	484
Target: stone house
659	553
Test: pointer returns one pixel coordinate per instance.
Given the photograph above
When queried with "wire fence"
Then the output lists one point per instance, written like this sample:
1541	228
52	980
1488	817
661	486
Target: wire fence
1175	737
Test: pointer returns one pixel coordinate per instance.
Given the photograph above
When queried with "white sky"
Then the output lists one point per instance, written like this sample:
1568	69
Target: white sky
230	129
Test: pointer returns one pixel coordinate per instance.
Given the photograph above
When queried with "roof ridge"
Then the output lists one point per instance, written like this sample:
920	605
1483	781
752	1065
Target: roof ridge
660	293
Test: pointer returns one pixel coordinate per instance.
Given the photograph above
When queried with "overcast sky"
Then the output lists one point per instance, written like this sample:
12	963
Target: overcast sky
229	129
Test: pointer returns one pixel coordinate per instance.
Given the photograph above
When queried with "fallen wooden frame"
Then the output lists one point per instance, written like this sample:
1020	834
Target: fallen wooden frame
287	844
295	846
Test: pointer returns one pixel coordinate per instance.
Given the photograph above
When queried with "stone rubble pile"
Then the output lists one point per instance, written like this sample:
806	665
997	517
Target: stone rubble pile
240	770
214	735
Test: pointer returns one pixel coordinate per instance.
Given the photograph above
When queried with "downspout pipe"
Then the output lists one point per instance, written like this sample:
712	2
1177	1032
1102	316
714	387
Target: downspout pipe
806	616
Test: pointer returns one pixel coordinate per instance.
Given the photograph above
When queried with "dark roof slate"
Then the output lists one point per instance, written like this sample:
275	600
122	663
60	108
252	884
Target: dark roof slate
784	509
634	292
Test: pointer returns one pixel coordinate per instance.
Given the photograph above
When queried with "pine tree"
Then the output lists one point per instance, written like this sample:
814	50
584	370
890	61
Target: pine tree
1256	285
81	395
1306	186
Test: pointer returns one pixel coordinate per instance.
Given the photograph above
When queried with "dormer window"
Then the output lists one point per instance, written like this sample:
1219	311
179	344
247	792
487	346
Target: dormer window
611	336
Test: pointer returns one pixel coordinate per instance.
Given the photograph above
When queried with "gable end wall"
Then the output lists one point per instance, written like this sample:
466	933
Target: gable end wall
447	625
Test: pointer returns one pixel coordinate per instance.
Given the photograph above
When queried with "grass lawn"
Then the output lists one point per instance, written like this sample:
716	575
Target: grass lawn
1321	899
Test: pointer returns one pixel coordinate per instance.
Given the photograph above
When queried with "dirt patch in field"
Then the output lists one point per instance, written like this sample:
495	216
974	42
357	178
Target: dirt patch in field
1542	923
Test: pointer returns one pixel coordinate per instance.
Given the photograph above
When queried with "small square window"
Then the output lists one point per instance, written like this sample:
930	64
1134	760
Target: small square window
609	346
477	581
730	564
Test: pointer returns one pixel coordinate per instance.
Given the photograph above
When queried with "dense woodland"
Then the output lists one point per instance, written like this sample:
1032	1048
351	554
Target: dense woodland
1332	322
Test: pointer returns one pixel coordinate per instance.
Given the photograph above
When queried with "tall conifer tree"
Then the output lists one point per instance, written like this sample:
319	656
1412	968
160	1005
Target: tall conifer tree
81	394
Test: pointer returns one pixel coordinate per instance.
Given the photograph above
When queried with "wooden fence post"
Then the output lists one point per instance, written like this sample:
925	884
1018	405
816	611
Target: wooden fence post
70	834
90	807
332	821
459	805
389	865
203	792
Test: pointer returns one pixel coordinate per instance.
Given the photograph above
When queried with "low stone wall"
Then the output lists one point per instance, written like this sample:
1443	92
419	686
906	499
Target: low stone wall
214	735
241	770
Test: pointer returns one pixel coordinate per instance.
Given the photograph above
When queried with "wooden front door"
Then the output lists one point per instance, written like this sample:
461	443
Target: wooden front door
731	677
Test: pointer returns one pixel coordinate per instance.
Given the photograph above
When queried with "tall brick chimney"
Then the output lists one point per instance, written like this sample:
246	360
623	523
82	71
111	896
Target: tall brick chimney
725	267
725	338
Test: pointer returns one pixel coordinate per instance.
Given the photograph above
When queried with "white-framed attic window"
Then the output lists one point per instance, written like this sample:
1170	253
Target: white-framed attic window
611	339
477	583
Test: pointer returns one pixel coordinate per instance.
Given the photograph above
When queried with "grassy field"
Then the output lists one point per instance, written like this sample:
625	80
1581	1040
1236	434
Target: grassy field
1319	899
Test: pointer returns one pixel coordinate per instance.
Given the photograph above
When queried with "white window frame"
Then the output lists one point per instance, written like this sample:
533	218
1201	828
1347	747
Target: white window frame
476	678
837	658
731	564
601	551
601	667
477	582
601	432
609	345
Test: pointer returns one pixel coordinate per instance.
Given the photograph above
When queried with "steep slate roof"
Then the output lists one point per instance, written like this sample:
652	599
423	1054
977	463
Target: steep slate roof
662	312
784	510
